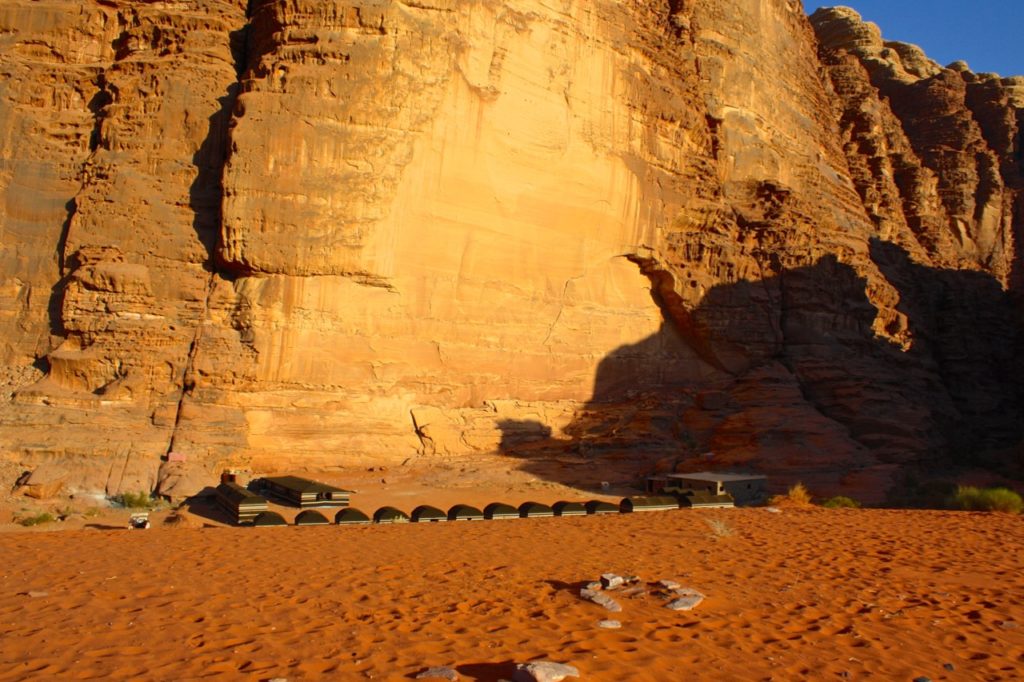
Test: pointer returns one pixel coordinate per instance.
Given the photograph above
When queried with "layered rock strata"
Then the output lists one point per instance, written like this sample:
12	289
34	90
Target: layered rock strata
304	234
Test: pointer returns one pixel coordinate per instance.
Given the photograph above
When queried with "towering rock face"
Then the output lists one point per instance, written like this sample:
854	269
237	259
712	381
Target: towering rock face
313	233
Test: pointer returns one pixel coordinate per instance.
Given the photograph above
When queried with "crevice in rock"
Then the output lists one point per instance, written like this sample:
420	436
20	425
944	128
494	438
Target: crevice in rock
188	379
97	105
714	129
206	197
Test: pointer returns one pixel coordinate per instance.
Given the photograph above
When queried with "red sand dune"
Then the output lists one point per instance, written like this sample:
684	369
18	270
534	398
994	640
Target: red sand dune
814	594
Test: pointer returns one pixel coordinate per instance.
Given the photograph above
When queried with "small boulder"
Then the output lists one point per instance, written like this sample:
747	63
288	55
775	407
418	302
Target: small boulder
609	624
610	581
669	584
543	671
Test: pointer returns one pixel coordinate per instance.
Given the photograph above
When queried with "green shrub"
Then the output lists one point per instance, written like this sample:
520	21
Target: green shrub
140	500
37	520
841	502
971	498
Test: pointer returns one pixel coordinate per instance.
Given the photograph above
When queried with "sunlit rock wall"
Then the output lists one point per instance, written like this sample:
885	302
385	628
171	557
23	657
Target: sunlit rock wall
304	234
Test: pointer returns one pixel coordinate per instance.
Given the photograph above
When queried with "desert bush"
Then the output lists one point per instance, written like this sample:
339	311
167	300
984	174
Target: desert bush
37	520
796	496
971	498
140	500
719	528
841	502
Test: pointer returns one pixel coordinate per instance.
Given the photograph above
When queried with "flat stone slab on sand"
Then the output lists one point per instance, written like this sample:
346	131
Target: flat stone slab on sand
600	599
543	671
686	600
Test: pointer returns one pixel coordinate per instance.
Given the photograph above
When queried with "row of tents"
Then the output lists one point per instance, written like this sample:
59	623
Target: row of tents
248	507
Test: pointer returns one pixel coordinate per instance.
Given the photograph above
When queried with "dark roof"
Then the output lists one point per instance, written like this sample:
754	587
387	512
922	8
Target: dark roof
351	516
564	508
601	507
500	509
713	477
304	485
390	515
464	511
535	509
269	518
310	518
632	504
425	512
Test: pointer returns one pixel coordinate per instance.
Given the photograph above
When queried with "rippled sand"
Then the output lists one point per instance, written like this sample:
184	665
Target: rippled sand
812	594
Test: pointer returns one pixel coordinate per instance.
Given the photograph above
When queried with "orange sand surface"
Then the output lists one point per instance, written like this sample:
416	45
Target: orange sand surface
802	594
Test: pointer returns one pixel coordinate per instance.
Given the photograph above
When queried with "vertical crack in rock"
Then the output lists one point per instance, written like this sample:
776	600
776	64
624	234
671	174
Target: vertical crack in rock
206	200
561	309
97	105
188	380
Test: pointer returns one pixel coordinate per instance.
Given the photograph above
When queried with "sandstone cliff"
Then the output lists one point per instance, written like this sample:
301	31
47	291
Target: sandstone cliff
306	233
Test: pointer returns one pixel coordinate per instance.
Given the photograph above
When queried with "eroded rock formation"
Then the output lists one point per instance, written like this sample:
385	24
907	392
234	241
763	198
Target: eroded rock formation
307	233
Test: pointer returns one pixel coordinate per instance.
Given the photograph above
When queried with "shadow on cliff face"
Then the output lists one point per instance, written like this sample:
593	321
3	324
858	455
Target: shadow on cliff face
944	389
969	332
206	193
207	190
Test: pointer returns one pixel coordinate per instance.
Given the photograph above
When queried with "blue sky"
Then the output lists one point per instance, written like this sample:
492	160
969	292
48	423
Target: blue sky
987	34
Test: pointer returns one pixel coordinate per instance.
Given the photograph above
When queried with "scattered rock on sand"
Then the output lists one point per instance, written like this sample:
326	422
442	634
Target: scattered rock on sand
609	624
610	581
669	584
543	671
600	599
686	600
440	673
35	594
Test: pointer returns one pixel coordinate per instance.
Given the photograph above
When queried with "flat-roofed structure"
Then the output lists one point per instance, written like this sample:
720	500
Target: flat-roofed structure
302	492
243	506
745	489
